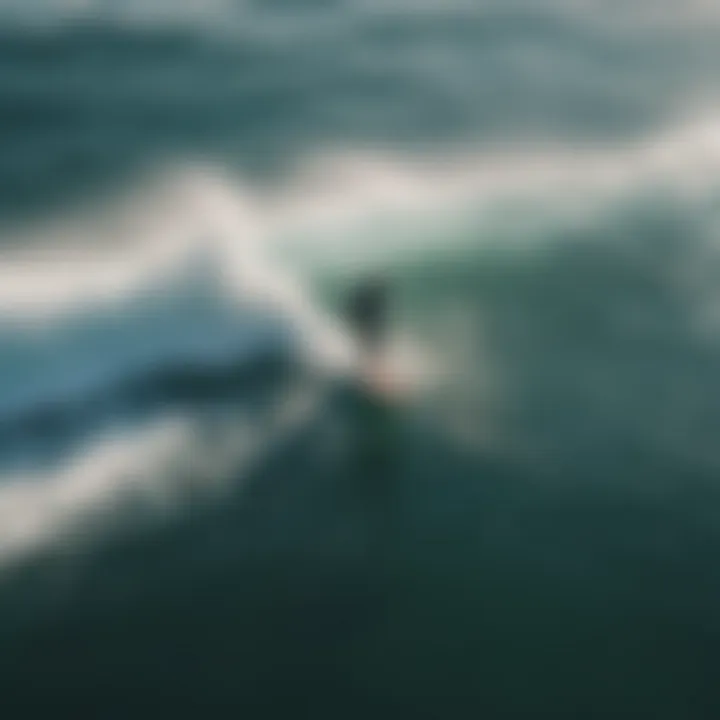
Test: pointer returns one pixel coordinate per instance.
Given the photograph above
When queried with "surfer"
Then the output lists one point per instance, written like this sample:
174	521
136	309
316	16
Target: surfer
367	314
373	411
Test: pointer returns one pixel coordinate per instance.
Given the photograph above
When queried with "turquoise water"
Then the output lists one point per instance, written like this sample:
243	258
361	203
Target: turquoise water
199	511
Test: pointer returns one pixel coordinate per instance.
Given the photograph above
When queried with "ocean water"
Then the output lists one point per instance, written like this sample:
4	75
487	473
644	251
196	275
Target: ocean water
201	513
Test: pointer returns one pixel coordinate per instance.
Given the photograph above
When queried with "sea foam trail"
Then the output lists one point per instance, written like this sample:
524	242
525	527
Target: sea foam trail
151	472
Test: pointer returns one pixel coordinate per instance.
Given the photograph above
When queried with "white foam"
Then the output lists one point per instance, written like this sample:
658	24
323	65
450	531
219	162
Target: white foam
158	468
40	509
184	221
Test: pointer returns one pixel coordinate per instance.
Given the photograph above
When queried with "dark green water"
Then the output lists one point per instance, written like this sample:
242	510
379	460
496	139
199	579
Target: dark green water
534	534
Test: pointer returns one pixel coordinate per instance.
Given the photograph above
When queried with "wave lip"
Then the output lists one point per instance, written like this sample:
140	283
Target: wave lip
200	217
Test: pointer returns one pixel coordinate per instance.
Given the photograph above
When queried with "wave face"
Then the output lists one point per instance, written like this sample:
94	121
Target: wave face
198	503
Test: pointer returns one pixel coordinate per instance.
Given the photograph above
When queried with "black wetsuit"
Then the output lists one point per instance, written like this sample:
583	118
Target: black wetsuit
367	313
